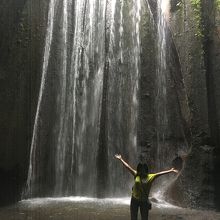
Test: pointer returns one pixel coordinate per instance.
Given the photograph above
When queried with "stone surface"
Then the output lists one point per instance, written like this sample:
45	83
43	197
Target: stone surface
195	33
21	46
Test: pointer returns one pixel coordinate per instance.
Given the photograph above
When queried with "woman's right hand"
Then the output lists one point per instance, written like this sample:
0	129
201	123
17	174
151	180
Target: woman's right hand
118	156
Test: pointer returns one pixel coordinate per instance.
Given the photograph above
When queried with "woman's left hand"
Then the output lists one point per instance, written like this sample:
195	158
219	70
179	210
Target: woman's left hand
174	170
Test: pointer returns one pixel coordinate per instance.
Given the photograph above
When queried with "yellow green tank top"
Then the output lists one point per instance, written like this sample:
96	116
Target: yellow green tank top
141	188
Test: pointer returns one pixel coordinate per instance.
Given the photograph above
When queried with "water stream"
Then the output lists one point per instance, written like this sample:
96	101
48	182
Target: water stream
66	136
88	100
161	84
48	40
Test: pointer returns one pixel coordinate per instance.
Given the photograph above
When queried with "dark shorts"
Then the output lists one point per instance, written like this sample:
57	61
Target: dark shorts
144	206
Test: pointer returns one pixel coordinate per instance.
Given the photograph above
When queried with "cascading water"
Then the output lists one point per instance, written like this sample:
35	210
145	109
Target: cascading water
87	66
49	35
124	61
161	83
60	154
170	136
65	143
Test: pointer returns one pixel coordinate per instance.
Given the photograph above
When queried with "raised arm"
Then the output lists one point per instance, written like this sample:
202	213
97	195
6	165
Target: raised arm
166	172
126	165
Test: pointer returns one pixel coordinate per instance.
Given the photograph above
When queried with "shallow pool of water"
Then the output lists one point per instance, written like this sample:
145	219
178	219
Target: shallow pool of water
83	208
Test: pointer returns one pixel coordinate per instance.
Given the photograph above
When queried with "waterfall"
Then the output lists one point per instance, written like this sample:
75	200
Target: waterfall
161	83
61	149
172	114
65	142
124	62
87	66
49	35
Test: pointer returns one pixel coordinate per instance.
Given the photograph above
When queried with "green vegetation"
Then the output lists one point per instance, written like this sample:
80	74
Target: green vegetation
217	3
196	4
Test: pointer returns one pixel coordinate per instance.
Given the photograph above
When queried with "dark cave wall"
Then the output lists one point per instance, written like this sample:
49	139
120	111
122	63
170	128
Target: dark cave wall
146	114
194	28
211	22
177	109
185	26
22	26
210	11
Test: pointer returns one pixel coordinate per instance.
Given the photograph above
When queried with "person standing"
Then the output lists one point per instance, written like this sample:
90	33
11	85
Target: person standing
141	188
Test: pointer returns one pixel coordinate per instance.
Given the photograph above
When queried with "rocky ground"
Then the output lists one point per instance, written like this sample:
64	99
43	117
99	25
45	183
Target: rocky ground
90	209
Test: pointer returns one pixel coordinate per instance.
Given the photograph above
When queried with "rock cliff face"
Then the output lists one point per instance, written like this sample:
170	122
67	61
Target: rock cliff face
21	46
195	28
194	85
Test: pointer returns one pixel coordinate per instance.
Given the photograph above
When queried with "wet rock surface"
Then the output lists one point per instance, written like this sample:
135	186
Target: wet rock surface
21	47
195	26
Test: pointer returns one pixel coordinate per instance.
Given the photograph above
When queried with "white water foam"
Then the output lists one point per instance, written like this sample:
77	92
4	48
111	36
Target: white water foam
160	203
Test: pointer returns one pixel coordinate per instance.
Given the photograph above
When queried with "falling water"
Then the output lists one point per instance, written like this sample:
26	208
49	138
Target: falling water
66	132
87	64
161	83
49	36
170	138
60	154
124	61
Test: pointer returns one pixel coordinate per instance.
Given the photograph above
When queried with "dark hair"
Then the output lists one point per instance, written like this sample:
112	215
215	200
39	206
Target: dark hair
142	169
